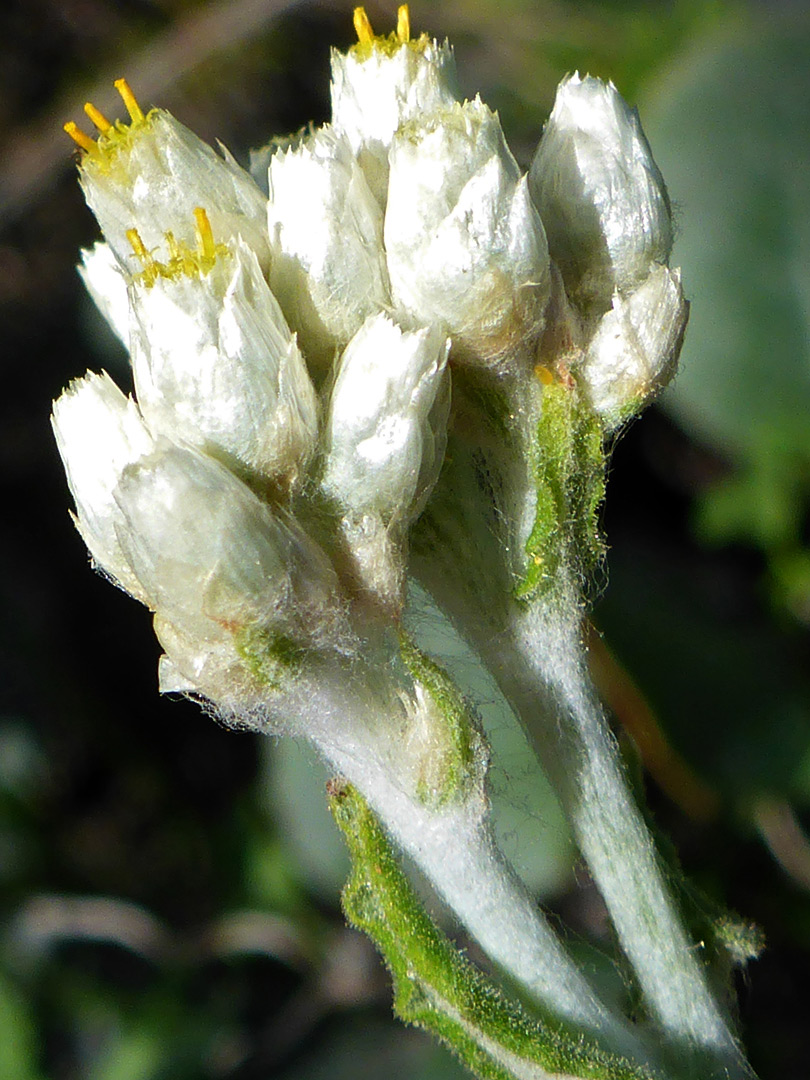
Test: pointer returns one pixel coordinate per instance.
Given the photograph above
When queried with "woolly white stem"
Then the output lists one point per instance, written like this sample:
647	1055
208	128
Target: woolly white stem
542	671
454	847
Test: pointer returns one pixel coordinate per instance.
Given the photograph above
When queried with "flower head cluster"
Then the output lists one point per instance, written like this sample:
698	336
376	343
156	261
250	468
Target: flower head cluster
291	353
608	221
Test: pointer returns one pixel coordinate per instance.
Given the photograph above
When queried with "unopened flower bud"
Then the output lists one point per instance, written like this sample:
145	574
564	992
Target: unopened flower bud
328	265
387	421
216	366
382	83
600	194
466	247
106	282
152	173
99	432
208	551
635	349
384	445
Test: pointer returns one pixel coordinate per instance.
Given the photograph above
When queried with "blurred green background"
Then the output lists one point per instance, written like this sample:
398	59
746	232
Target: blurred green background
168	889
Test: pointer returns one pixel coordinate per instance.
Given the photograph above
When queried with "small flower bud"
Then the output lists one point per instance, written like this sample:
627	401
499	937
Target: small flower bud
328	266
387	421
107	284
216	366
208	551
466	247
384	445
99	432
635	349
599	192
151	175
382	83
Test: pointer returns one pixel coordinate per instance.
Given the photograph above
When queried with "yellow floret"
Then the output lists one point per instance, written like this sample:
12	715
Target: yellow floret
368	42
183	260
112	137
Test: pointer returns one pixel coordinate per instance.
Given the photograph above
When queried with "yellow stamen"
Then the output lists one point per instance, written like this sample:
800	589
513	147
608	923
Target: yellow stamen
403	24
205	237
138	246
98	118
128	98
544	375
362	26
79	137
174	248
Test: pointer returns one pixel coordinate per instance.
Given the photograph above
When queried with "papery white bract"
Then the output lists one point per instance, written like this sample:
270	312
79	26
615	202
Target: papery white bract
99	432
207	550
599	192
216	366
384	442
328	267
106	281
387	422
634	351
382	83
466	248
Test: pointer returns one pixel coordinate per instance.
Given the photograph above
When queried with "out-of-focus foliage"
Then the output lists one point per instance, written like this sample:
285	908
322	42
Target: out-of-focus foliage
168	890
745	387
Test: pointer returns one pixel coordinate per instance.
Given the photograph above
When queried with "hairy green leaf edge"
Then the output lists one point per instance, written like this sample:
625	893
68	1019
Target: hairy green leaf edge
435	987
570	477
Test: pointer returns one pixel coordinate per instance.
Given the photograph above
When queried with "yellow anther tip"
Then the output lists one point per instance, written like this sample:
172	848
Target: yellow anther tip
129	100
79	137
362	26
97	118
137	245
205	235
403	24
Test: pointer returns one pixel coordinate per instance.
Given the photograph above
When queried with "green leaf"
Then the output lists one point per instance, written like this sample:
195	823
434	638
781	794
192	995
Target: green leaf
730	129
435	987
18	1044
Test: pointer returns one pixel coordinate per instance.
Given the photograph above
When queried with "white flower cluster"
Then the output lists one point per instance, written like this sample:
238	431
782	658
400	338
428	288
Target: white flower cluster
608	221
291	354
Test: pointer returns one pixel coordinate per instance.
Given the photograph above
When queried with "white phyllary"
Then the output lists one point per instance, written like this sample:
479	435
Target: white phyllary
381	84
600	194
466	247
328	266
634	351
384	445
151	176
216	366
106	282
99	432
387	423
211	555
